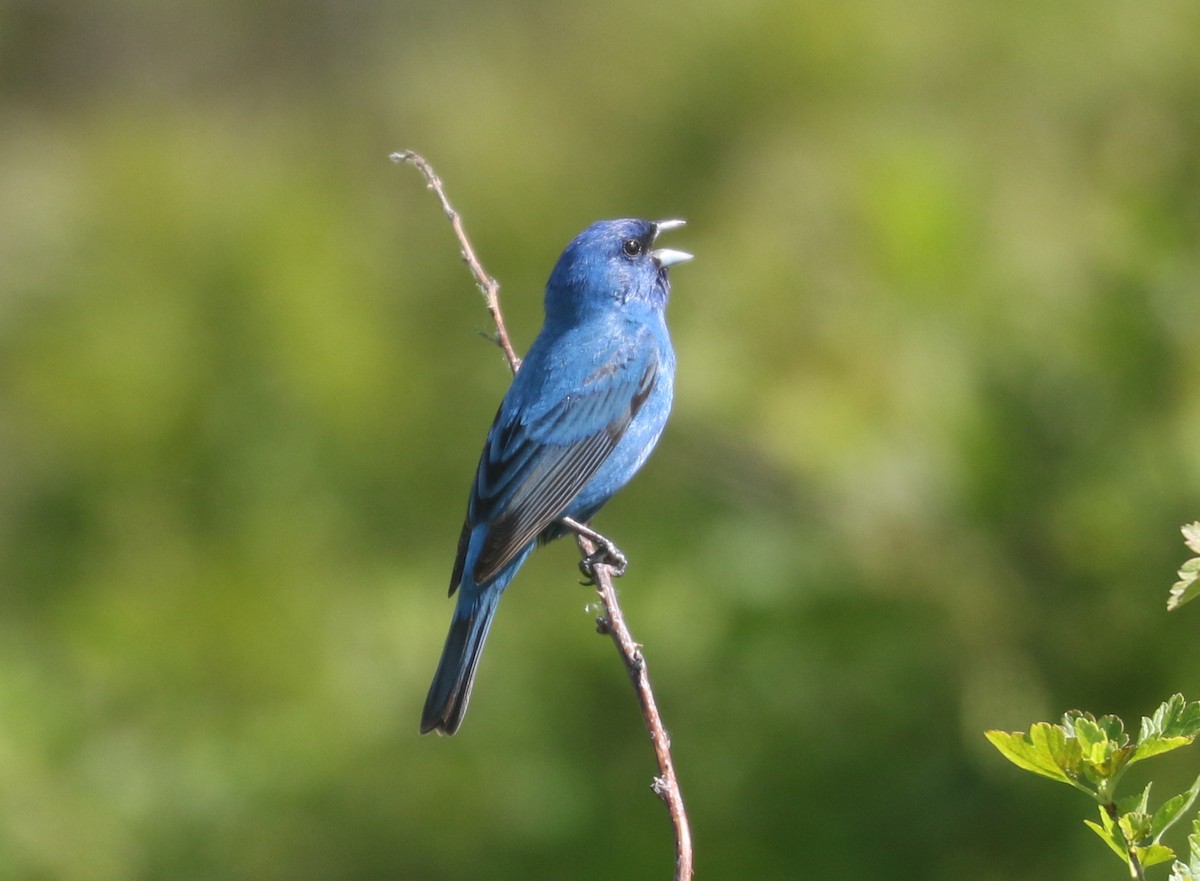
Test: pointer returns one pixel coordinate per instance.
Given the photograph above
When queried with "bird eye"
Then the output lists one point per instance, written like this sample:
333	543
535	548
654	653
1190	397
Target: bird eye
631	247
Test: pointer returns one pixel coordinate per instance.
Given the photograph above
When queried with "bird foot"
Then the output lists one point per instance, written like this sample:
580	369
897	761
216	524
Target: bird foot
606	554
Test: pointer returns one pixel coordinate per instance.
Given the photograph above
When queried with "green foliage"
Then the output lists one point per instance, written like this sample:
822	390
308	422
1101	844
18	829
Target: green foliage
1188	585
1092	754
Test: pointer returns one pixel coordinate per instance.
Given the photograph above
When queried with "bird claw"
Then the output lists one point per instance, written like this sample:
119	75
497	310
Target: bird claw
606	554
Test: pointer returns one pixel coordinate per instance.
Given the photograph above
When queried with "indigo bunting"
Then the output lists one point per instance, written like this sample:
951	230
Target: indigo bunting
580	418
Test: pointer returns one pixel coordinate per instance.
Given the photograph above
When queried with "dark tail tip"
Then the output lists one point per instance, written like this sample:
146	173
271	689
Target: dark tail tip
450	692
446	715
432	722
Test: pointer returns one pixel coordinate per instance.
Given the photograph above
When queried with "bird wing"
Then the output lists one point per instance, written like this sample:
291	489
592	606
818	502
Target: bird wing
535	463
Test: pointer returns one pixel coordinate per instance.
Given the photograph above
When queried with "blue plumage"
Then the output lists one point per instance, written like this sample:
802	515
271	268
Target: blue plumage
580	418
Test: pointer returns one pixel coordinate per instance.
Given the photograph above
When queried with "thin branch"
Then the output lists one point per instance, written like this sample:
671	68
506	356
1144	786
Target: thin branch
488	286
666	785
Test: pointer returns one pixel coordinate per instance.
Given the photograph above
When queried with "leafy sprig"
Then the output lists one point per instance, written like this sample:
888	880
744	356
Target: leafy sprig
1091	754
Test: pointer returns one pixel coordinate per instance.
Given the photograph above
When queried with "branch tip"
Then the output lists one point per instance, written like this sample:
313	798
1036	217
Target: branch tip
487	284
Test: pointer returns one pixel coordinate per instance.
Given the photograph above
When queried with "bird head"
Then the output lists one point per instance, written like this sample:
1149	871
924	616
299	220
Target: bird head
613	264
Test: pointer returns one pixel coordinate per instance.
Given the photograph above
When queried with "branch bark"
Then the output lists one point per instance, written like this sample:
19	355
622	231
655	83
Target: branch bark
488	286
612	623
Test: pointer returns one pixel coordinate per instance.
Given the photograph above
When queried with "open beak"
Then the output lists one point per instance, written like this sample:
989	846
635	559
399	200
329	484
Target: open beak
665	257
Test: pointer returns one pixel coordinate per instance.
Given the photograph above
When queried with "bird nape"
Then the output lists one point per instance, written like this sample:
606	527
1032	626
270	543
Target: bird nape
580	418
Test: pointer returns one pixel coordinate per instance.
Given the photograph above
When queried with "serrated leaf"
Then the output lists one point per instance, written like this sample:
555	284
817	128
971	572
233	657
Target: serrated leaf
1175	717
1188	586
1154	854
1156	746
1135	826
1153	725
1043	750
1092	737
1063	751
1071	718
1114	729
1191	535
1094	745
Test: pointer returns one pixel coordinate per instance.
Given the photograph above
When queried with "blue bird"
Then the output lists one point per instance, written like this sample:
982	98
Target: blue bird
580	418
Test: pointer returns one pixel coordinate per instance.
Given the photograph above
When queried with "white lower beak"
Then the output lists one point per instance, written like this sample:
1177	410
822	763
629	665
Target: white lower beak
665	257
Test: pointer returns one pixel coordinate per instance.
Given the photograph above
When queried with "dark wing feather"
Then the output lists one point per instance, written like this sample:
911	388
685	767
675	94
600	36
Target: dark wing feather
464	541
530	471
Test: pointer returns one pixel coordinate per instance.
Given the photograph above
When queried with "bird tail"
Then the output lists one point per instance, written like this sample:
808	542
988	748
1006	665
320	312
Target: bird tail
446	703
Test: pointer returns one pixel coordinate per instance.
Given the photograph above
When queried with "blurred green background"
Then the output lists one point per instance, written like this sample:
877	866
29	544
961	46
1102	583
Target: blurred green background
937	424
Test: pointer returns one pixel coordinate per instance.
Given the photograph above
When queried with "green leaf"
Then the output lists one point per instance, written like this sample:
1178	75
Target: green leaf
1174	724
1135	826
1064	751
1093	738
1154	854
1175	718
1157	746
1172	809
1044	750
1113	728
1188	586
1191	535
1107	831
